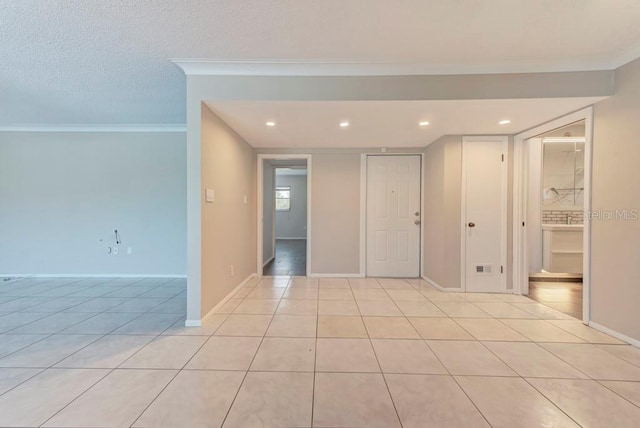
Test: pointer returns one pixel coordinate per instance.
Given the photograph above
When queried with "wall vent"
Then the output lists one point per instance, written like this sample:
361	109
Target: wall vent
484	269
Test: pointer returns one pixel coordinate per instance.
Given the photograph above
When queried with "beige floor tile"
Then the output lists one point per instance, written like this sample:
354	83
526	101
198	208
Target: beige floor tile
244	325
483	297
273	400
379	308
335	294
334	283
297	307
47	352
541	311
103	323
461	310
489	329
364	283
293	326
304	282
628	353
432	402
285	354
390	328
629	390
503	310
532	360
589	403
225	353
589	334
338	307
149	324
166	352
406	295
230	306
512	402
300	293
108	352
53	323
193	399
468	358
516	298
345	355
35	401
541	331
10	378
394	284
209	327
353	400
439	329
274	282
257	307
406	356
594	361
419	309
266	293
243	292
438	296
115	401
340	326
370	294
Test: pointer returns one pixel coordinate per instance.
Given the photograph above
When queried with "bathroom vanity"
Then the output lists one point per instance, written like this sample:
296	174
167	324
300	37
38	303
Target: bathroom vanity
562	247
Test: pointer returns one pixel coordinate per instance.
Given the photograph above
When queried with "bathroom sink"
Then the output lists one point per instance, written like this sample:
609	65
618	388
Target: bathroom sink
572	227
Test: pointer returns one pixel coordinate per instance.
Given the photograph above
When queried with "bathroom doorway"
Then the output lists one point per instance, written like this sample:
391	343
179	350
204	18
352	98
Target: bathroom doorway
551	198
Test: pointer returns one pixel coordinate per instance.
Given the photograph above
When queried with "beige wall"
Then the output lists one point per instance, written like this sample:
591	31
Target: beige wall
228	224
615	248
335	214
442	215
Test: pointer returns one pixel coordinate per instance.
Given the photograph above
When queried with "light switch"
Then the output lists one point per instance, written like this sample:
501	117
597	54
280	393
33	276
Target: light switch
209	195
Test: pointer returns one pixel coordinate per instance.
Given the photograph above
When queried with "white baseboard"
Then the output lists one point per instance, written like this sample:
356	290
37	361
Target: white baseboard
284	239
623	337
336	275
441	288
198	323
268	261
93	275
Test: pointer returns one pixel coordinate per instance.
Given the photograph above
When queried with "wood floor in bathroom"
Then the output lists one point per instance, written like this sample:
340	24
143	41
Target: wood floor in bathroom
562	296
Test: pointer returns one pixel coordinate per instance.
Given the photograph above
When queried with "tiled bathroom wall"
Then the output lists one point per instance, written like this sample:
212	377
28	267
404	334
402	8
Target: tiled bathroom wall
560	217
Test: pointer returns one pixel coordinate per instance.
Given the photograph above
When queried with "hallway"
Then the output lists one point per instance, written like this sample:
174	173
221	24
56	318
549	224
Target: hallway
290	260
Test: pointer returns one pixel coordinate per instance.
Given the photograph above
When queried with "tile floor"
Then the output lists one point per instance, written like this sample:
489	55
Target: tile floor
298	352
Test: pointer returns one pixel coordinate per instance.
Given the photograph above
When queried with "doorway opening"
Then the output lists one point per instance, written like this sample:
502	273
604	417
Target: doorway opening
552	200
283	215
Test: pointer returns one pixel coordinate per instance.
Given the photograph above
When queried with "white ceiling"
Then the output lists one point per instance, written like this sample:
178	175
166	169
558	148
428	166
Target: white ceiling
384	123
106	62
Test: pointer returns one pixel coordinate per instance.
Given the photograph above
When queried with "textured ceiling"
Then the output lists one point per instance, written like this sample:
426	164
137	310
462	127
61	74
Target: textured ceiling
106	62
384	123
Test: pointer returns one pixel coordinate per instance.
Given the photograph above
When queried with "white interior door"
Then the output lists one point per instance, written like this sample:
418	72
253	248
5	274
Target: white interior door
393	216
484	214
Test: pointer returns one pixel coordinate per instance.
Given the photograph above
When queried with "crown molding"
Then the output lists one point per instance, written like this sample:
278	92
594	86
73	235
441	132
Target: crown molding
215	67
95	128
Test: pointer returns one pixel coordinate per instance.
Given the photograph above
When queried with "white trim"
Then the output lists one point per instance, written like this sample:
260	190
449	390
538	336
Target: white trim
520	190
335	275
363	208
503	205
297	239
177	127
198	323
92	275
268	261
623	337
336	67
441	288
260	205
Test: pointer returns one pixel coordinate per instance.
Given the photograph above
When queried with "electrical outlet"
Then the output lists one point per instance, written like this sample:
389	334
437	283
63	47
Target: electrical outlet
109	250
115	251
231	270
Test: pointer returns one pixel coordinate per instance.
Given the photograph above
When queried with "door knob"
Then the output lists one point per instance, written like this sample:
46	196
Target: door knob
417	222
417	213
471	224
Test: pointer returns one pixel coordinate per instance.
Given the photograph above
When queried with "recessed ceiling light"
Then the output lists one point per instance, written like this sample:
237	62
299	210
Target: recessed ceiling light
504	122
423	123
344	124
270	123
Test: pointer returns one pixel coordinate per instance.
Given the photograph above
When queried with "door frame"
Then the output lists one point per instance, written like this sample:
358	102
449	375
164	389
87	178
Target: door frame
503	208
260	207
363	209
520	204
